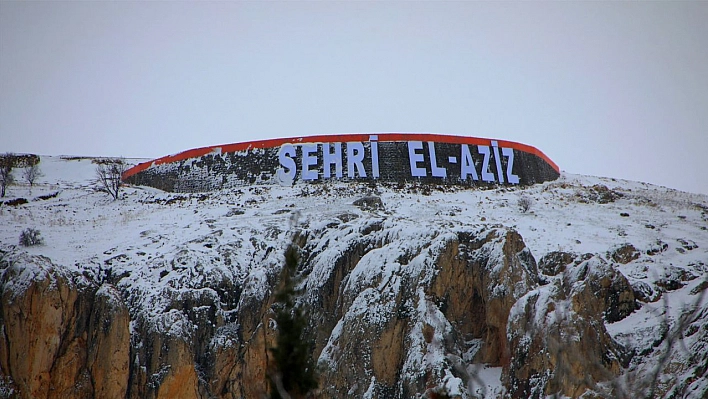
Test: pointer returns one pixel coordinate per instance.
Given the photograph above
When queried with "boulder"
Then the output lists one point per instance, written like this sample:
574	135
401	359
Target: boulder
624	253
369	202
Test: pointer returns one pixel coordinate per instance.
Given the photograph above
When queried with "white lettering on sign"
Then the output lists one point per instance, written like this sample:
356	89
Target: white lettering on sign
286	172
486	175
467	167
332	158
317	159
497	159
416	158
331	155
309	158
374	156
355	156
512	178
437	170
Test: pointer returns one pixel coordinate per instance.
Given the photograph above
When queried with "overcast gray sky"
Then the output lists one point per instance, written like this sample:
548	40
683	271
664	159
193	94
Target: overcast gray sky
616	89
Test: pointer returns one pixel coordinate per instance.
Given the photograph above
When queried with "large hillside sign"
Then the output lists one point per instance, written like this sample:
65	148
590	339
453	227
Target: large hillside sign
385	157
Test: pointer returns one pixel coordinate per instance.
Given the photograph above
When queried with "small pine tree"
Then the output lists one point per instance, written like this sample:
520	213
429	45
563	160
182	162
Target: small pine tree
293	374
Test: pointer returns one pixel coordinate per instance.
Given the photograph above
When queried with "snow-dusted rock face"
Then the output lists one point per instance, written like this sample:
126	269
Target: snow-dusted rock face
394	311
409	310
557	333
62	335
429	291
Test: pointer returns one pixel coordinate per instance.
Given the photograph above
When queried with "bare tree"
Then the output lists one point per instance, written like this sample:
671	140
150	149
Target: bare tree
31	173
108	175
7	162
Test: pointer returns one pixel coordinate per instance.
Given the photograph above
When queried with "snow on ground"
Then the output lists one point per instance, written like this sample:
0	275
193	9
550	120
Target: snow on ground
86	229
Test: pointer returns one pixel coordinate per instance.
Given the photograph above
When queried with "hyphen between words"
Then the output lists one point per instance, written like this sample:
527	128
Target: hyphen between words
331	155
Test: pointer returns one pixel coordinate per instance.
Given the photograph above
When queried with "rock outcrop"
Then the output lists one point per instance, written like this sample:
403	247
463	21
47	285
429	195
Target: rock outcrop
559	340
62	335
405	324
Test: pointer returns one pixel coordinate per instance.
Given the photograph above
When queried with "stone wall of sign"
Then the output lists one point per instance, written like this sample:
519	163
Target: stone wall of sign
424	159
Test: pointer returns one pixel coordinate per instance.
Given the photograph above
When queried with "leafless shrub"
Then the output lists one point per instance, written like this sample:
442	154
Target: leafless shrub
525	202
108	175
30	237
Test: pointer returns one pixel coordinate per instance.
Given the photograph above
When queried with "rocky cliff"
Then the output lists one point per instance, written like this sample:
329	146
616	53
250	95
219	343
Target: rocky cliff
425	293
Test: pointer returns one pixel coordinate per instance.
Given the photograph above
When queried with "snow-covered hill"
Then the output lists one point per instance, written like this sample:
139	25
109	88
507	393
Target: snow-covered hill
201	268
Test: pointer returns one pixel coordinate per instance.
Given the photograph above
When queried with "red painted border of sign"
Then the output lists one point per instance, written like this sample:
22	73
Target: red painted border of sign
338	138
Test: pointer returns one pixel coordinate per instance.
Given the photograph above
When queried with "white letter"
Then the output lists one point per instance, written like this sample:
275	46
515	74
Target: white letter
374	156
307	160
437	171
355	154
512	178
486	176
414	158
467	167
497	159
329	158
287	151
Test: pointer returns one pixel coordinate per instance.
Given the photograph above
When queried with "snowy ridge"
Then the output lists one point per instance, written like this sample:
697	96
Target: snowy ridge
182	260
